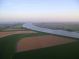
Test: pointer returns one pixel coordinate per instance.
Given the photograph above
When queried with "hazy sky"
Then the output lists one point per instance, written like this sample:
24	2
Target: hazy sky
39	10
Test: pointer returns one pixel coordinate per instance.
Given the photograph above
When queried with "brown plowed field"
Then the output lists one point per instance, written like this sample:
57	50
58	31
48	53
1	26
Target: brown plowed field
3	34
31	43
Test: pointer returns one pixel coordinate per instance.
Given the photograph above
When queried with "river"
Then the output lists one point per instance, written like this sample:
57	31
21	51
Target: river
51	31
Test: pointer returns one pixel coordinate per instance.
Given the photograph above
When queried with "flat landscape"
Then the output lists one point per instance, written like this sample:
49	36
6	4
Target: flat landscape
3	34
17	42
39	29
68	26
27	44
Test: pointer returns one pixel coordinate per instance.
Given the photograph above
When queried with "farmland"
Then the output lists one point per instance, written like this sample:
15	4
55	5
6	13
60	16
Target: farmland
17	42
31	43
8	44
66	51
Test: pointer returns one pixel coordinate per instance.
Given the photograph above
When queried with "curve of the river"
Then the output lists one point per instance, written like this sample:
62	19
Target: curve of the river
51	31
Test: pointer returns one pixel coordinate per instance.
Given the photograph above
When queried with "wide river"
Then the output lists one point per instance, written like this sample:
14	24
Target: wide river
51	31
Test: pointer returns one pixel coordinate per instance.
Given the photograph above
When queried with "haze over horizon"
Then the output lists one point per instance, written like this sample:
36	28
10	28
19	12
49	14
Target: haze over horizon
39	10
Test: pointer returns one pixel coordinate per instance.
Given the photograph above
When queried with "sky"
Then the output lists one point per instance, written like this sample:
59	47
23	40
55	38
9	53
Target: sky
39	10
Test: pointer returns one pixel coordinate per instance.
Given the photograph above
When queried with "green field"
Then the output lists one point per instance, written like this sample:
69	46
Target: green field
11	27
8	49
8	44
66	51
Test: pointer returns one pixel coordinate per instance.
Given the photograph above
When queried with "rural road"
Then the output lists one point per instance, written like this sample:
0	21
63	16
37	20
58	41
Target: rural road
51	31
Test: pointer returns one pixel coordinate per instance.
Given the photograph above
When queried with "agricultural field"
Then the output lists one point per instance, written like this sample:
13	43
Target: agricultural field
8	44
14	28
39	29
17	42
27	44
3	34
65	51
11	26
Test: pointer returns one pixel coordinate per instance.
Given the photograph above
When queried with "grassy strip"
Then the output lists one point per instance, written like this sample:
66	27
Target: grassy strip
8	44
66	51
